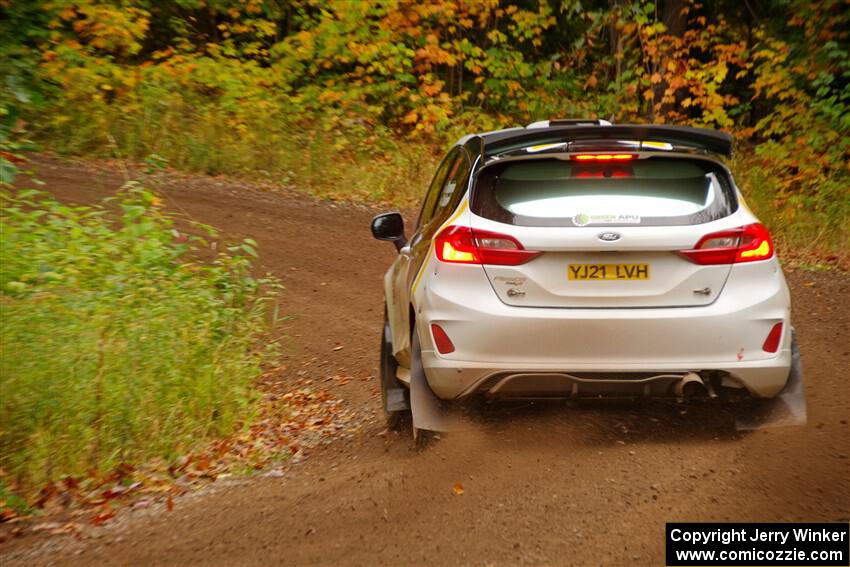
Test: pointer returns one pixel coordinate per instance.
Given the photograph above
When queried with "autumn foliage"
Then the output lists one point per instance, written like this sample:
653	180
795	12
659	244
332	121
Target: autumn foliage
343	98
346	99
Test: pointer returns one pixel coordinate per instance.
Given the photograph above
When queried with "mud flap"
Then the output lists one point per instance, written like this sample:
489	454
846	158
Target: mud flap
396	400
787	408
429	412
393	394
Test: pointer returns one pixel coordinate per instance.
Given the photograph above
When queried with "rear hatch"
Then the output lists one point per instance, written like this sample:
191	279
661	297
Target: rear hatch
608	231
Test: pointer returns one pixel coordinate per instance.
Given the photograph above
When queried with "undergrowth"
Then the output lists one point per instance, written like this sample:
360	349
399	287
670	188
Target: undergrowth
121	337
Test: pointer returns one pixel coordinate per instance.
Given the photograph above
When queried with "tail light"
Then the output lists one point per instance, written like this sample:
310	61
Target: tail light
462	245
771	343
441	340
743	244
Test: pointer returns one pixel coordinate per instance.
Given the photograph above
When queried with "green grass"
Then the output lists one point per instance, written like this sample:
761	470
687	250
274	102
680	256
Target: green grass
333	156
118	342
811	226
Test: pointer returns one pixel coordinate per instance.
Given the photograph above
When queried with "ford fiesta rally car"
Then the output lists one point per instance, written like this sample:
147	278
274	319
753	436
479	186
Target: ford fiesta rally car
582	259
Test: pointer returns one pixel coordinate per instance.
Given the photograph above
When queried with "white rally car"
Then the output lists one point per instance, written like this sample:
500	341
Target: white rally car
579	258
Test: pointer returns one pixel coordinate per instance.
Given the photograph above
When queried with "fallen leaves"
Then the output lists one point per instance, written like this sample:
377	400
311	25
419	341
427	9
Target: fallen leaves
339	379
457	489
287	427
106	513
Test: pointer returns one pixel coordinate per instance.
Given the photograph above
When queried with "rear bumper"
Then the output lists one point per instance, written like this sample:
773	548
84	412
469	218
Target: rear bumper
465	378
494	341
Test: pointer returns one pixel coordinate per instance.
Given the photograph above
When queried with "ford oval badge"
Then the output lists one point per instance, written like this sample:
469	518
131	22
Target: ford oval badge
609	236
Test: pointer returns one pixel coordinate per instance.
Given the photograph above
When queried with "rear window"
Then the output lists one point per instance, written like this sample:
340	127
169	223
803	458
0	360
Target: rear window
654	191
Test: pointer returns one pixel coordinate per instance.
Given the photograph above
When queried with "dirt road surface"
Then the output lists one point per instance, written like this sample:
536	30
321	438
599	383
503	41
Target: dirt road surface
543	484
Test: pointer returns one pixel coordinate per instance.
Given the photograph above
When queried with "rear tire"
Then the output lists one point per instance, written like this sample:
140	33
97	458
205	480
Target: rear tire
389	383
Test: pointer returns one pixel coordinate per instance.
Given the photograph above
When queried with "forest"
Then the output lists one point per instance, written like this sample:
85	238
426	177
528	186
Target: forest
344	100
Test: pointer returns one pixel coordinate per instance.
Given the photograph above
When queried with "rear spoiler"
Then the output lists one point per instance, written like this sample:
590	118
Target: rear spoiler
699	138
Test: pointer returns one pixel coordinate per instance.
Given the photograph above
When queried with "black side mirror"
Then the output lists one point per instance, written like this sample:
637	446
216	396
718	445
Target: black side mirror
389	226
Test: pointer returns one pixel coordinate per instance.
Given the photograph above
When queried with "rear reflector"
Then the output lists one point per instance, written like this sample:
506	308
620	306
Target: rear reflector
771	343
441	339
604	157
743	244
462	245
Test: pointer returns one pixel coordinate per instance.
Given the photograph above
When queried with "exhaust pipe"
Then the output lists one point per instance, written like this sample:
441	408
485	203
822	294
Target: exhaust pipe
691	385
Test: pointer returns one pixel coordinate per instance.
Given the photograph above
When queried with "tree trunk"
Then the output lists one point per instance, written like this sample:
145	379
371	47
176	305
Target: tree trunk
674	16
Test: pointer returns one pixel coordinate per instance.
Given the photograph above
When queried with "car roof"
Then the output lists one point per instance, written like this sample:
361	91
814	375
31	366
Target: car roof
555	131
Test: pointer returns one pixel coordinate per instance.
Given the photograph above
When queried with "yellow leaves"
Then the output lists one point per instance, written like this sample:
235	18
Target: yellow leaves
457	489
497	37
433	54
329	96
163	54
109	28
655	78
671	66
720	73
648	94
410	118
265	27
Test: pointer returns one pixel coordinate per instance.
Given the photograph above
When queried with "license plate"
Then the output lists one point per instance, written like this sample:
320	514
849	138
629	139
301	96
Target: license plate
608	271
